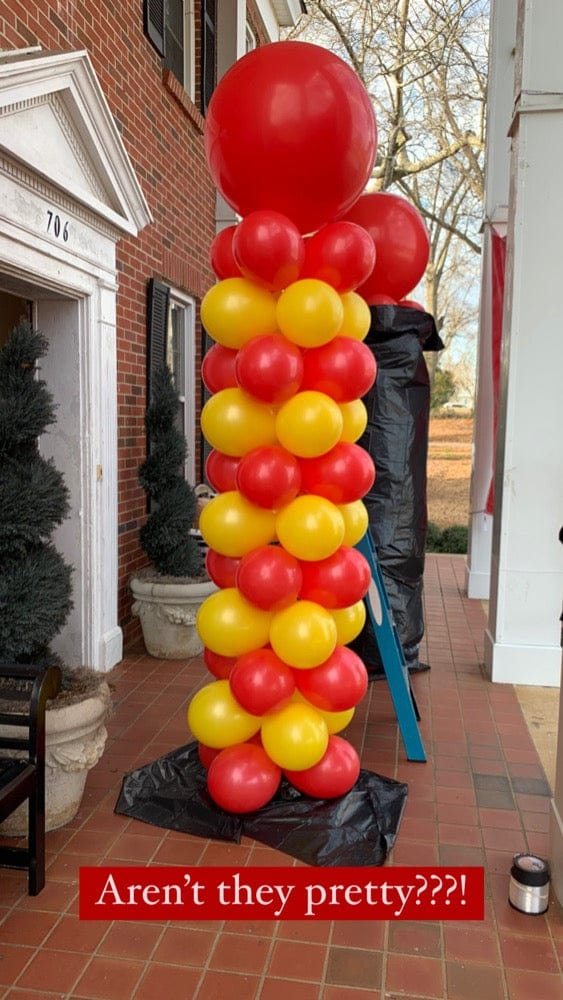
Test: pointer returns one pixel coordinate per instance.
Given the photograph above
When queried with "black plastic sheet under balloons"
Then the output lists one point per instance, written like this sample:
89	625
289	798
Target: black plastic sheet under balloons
357	829
396	437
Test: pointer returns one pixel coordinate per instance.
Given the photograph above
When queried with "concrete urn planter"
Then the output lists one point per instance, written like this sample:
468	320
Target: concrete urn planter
167	609
75	740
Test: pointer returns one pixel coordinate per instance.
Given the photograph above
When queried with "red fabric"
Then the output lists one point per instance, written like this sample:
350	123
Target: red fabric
498	267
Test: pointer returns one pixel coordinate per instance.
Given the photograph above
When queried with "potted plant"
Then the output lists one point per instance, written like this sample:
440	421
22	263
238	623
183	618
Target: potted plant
168	593
35	582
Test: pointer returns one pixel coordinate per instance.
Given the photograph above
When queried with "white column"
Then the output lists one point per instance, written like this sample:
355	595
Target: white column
497	174
522	641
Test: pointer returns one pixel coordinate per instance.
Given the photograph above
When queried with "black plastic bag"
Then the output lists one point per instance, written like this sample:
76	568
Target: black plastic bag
396	437
357	829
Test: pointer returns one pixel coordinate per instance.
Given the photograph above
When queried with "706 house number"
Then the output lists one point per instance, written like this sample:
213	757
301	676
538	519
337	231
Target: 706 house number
56	226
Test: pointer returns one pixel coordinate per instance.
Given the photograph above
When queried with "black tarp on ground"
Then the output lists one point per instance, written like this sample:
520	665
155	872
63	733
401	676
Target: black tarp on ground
357	829
396	437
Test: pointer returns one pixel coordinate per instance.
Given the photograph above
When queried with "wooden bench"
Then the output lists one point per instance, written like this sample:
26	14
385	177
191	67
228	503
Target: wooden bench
24	692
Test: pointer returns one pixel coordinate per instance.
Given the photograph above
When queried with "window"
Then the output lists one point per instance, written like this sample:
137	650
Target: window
171	320
170	26
250	38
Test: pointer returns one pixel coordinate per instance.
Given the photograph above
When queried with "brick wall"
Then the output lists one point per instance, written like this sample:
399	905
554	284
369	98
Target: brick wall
162	131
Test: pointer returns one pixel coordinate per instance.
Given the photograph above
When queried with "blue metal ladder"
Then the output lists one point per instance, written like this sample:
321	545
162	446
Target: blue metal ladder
391	653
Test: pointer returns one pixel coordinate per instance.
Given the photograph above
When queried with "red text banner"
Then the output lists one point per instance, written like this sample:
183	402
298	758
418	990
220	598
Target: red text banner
281	893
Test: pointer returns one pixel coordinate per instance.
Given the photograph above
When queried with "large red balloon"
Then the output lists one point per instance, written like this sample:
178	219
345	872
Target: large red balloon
269	477
338	581
401	242
344	369
269	249
260	681
221	569
336	685
218	368
306	141
242	778
219	666
220	471
335	774
342	254
269	577
342	475
270	368
221	254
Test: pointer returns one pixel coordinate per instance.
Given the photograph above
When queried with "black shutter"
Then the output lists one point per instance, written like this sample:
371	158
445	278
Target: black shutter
208	52
154	22
158	302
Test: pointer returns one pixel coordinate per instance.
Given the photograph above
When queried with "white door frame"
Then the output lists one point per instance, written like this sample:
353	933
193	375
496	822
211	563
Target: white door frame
67	193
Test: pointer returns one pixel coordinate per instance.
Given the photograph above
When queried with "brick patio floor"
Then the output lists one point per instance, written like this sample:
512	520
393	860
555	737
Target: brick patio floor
480	797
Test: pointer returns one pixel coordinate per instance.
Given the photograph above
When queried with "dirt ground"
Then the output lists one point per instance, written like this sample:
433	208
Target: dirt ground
449	470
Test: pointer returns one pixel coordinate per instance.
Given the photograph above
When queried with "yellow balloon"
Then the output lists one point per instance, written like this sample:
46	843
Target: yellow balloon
356	521
310	527
216	718
357	316
349	622
303	635
309	312
232	526
295	737
337	721
309	424
354	420
230	626
234	423
235	310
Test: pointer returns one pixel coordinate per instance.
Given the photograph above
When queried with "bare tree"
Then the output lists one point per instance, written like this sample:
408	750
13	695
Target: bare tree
424	64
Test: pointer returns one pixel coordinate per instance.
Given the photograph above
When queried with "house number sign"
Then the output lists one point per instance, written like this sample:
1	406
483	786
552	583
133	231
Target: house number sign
56	226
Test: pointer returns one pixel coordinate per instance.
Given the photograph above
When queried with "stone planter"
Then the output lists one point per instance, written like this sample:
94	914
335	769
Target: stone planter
75	739
167	610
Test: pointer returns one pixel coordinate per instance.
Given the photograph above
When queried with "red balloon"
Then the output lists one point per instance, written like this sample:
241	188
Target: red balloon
335	774
338	581
221	569
342	475
342	254
206	754
269	577
219	666
306	143
401	242
269	249
343	369
270	368
220	471
336	685
221	254
411	304
242	778
218	368
269	477
260	681
380	300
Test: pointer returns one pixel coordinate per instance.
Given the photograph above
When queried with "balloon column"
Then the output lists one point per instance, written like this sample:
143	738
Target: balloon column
286	373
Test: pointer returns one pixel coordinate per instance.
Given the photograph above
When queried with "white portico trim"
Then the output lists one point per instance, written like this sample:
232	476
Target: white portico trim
67	193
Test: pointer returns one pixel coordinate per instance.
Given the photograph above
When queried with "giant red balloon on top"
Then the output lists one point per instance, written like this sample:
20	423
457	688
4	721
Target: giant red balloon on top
290	128
401	242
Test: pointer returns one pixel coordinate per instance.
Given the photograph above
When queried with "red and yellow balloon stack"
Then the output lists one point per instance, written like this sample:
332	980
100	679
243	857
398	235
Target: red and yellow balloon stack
286	373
